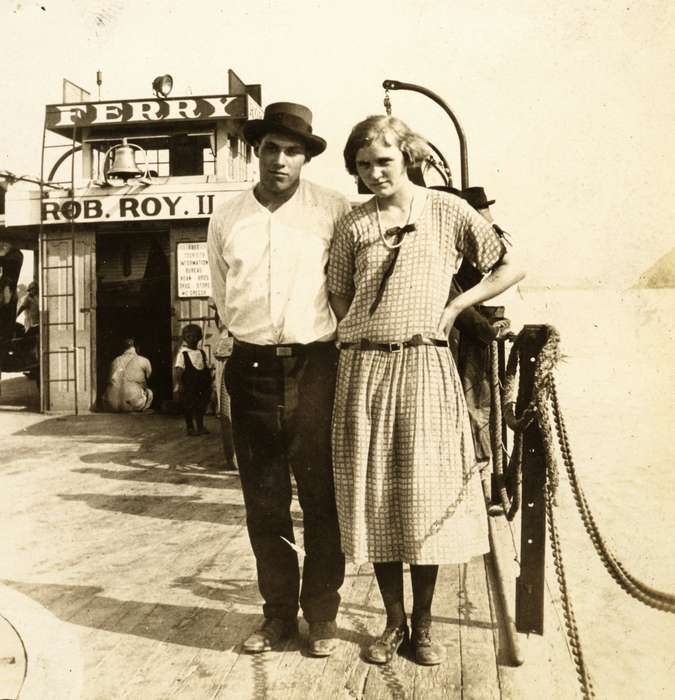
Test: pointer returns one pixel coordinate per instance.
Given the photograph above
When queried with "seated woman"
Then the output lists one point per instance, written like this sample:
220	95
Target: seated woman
406	476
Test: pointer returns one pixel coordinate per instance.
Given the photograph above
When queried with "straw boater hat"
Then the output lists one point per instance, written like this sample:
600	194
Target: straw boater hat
285	118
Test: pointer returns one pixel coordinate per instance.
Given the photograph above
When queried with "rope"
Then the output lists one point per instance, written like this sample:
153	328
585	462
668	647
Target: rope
542	388
498	457
508	481
629	583
574	645
544	392
516	423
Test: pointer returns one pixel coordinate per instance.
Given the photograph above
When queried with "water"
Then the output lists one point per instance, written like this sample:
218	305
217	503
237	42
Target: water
617	387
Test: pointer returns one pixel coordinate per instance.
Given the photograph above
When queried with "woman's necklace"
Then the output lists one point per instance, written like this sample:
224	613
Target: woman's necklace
401	230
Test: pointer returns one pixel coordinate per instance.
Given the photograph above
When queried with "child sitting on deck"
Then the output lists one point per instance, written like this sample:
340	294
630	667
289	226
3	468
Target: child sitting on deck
192	381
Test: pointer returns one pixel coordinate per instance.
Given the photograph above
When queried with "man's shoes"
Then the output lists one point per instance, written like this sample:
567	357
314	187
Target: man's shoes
382	650
273	631
322	638
427	652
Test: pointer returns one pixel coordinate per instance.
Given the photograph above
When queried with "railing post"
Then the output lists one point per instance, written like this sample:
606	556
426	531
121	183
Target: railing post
530	583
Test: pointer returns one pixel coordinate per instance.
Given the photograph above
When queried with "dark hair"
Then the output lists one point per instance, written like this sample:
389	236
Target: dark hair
285	134
192	328
129	342
393	132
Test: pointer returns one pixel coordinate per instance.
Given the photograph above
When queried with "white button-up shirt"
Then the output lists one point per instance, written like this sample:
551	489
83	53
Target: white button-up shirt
268	269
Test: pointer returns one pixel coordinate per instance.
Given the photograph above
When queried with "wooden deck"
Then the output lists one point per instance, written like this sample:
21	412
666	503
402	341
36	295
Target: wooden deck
127	572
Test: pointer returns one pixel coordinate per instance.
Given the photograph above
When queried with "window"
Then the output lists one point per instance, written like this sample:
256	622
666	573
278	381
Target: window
209	160
157	163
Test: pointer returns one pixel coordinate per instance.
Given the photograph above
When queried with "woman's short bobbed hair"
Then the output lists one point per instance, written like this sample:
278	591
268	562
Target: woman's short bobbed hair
391	131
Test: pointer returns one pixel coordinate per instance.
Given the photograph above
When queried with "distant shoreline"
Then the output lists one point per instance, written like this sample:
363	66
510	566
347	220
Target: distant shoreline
589	288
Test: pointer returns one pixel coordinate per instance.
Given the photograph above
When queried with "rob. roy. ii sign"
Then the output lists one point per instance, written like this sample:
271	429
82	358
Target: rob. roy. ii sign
132	207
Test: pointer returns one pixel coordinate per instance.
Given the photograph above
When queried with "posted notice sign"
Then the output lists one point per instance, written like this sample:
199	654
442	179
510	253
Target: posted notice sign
192	263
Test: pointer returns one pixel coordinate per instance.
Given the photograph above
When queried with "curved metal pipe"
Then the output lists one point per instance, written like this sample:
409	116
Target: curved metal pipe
447	175
463	158
56	165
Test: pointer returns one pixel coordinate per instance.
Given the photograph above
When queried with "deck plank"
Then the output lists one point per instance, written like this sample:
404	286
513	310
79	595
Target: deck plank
443	682
361	614
179	628
230	580
396	678
479	662
333	679
547	670
208	624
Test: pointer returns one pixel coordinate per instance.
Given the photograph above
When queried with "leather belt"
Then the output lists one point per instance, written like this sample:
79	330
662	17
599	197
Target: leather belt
413	342
272	351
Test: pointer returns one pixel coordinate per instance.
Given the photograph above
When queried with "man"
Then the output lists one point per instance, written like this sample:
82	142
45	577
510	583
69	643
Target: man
128	384
268	249
478	327
30	309
11	260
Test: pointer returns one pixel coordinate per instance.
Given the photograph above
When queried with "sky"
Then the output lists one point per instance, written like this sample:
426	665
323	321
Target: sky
568	108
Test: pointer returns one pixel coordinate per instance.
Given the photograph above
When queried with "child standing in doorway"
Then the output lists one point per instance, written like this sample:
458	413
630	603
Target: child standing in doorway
193	380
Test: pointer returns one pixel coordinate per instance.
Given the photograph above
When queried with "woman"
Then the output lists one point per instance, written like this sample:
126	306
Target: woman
406	479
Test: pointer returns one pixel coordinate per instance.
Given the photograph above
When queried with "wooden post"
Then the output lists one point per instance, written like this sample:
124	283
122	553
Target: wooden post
530	583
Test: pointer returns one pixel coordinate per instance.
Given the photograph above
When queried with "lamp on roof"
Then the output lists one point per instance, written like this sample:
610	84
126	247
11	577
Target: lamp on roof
162	85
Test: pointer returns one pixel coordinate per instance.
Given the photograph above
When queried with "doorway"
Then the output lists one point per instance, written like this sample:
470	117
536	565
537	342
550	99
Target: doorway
134	300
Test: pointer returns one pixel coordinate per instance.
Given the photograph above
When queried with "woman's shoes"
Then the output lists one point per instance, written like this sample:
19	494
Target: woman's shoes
427	652
382	650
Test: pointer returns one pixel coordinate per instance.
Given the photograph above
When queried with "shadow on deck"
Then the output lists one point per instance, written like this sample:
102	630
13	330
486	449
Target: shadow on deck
128	534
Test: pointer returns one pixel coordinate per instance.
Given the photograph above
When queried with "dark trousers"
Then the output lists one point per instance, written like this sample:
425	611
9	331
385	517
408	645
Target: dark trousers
281	420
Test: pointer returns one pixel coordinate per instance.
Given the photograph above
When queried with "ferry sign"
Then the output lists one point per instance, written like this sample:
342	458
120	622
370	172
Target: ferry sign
64	116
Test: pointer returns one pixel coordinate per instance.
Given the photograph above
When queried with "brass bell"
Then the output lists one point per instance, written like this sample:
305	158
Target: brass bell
124	164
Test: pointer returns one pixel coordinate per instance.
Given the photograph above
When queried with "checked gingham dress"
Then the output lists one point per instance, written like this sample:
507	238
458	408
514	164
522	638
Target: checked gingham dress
406	478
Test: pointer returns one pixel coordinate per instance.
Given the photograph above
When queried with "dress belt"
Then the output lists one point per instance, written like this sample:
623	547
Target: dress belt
283	350
415	341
